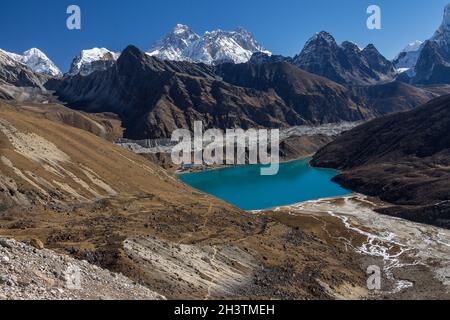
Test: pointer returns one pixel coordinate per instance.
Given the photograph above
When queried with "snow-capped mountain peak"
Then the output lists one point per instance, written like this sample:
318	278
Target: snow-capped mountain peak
408	57
214	47
36	60
91	60
40	63
172	45
181	29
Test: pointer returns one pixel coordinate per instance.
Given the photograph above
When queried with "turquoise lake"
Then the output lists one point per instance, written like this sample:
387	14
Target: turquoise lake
245	188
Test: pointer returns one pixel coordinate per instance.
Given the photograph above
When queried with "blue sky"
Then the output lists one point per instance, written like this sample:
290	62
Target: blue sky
282	26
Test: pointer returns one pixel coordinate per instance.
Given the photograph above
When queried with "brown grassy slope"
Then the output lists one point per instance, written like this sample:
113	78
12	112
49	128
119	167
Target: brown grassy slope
104	125
86	163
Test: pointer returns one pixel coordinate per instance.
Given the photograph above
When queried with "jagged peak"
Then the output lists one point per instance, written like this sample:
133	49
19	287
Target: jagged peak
131	53
131	49
181	31
325	36
36	60
94	52
371	48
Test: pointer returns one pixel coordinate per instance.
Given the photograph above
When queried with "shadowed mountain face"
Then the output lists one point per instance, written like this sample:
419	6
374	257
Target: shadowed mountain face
383	99
154	97
403	158
316	98
297	87
19	82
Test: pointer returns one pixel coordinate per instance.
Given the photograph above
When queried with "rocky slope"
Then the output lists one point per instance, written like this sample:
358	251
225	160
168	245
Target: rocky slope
28	273
261	58
346	63
403	158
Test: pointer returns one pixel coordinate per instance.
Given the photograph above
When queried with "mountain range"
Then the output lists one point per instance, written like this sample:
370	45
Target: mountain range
227	79
153	97
421	62
345	64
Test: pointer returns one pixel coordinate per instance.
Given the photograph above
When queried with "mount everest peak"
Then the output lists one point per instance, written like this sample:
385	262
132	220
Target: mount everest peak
173	44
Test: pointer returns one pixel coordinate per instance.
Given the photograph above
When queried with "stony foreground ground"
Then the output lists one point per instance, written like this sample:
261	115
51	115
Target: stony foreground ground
27	273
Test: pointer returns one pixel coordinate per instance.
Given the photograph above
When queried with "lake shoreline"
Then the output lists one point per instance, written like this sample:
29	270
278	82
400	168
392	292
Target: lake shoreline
245	187
411	268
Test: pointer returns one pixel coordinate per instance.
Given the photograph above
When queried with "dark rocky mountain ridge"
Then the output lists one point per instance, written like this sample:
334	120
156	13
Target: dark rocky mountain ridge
154	97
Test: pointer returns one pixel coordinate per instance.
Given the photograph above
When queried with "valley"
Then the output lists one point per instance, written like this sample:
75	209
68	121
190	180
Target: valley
87	179
182	243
